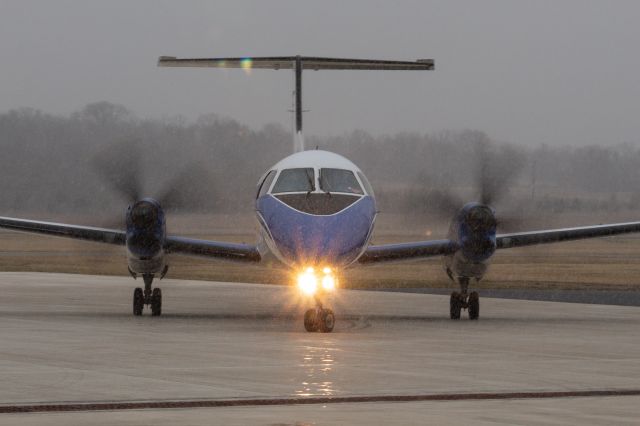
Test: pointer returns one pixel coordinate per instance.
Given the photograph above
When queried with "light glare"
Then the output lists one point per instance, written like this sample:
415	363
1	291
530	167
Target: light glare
307	283
246	64
328	283
311	281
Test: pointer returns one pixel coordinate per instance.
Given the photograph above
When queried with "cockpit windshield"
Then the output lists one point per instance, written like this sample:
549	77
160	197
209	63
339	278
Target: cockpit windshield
339	180
295	180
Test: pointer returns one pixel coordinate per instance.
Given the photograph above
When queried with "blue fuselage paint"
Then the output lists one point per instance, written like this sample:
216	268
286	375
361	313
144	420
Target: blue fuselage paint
300	239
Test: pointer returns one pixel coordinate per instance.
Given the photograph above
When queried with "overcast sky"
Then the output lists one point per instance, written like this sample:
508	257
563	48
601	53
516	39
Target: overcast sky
555	72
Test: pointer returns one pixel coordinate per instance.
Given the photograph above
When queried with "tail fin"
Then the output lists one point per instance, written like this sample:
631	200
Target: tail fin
298	63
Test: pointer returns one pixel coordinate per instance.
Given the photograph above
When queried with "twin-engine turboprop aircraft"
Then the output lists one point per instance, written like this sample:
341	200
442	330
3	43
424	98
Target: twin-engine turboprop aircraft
316	211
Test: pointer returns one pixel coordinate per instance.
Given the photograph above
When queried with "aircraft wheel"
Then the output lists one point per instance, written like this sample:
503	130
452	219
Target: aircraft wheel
455	305
138	301
326	321
156	302
474	305
310	320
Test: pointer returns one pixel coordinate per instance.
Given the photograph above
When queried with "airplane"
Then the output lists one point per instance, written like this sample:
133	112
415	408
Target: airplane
316	212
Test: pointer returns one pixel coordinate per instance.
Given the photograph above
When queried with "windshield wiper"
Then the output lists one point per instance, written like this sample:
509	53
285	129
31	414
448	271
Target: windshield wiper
322	182
310	180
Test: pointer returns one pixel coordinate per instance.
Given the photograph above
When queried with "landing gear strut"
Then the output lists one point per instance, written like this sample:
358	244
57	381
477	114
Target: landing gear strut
464	300
319	318
148	296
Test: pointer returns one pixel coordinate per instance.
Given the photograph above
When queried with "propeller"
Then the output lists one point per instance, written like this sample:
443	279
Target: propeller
495	171
121	168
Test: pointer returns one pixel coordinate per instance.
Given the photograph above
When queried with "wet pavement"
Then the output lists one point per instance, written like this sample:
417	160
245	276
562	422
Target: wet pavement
71	339
599	297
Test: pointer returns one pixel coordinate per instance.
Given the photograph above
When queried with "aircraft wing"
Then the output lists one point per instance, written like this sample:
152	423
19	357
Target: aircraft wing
173	244
102	235
521	239
216	249
424	249
406	251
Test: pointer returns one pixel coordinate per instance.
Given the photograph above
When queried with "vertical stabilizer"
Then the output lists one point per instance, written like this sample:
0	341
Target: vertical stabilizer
298	138
298	141
297	64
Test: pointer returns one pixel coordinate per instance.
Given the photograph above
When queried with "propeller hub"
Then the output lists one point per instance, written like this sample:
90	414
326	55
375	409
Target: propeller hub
477	232
144	214
480	218
145	229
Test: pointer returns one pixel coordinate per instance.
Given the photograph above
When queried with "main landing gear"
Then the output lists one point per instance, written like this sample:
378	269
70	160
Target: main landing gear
147	297
462	300
319	318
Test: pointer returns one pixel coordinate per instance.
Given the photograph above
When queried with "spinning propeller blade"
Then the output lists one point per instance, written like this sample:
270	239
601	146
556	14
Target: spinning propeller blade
495	172
121	167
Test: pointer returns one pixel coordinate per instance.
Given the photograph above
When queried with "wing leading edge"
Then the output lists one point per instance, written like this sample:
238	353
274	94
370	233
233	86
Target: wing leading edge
406	251
102	235
215	249
424	249
173	244
521	239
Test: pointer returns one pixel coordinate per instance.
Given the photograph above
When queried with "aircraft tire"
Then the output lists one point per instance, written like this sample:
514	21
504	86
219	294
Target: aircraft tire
474	305
310	320
326	321
455	305
138	301
156	302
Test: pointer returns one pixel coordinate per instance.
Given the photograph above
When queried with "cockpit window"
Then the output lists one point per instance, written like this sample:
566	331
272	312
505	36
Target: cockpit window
295	180
339	180
266	183
365	182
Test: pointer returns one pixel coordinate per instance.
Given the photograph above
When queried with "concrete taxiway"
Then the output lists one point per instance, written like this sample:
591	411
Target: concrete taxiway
71	339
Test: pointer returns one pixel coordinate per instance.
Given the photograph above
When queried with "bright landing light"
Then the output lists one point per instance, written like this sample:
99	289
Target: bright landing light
309	282
328	283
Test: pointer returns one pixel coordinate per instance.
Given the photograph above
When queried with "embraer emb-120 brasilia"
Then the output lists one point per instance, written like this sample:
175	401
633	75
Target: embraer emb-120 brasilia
316	213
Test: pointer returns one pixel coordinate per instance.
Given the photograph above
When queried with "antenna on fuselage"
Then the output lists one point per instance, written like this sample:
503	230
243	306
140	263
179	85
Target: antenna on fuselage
297	64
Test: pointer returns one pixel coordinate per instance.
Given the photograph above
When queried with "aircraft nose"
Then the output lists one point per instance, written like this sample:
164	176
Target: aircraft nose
303	239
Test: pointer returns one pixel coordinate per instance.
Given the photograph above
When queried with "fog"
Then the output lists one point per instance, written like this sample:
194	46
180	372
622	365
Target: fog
550	87
530	73
55	164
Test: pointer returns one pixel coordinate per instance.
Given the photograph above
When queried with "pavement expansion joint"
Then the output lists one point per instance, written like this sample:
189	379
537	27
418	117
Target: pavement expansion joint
213	403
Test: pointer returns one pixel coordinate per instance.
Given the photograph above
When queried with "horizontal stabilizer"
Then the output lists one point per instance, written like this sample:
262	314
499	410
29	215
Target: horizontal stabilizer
288	62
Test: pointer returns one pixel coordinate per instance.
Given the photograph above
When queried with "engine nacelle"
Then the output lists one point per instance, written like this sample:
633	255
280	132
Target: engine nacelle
146	231
474	230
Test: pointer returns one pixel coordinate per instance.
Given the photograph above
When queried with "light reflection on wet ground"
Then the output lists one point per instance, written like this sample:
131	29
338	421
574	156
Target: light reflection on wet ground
317	368
73	338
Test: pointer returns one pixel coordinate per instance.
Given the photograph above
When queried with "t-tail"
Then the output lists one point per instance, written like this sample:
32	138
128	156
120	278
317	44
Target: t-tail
298	64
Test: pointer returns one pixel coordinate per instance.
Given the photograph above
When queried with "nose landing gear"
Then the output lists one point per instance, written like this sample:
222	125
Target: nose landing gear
319	318
138	301
462	300
147	297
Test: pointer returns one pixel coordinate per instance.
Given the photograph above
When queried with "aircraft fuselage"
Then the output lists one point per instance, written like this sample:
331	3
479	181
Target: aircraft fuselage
316	209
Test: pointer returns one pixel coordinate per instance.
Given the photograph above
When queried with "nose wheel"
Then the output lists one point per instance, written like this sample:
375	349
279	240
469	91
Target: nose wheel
319	319
138	301
148	296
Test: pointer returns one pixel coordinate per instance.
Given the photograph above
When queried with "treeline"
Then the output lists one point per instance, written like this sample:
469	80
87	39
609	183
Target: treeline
49	163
